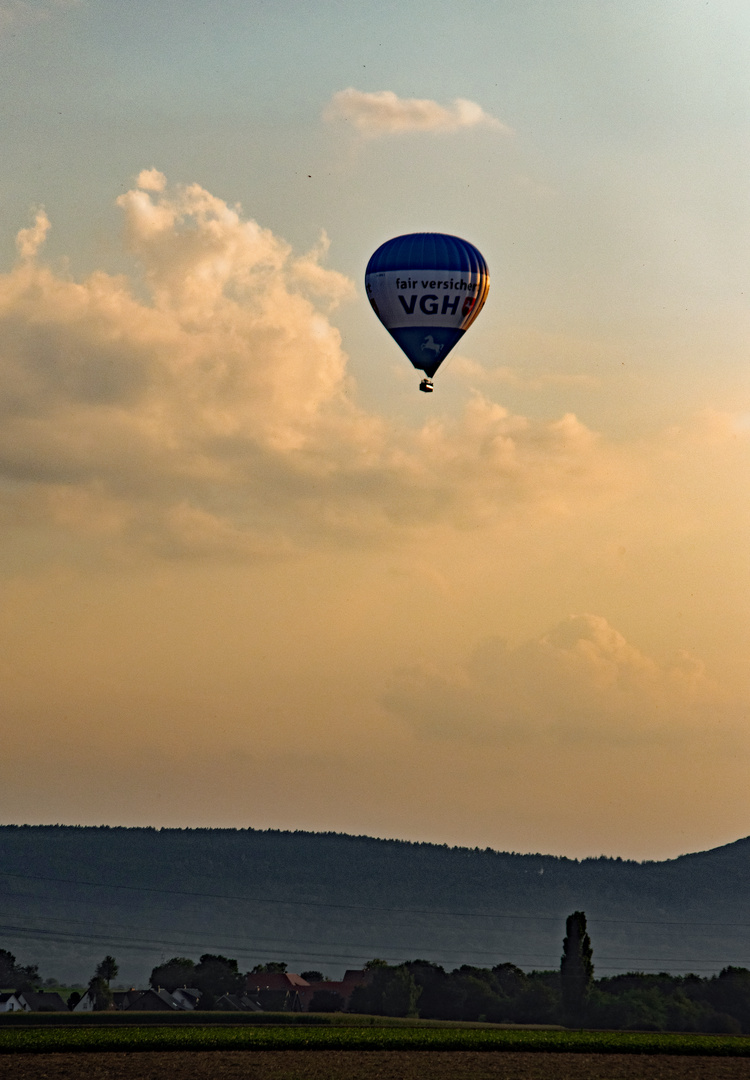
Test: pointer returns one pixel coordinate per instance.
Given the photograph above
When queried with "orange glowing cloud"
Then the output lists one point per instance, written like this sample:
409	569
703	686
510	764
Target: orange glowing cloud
219	416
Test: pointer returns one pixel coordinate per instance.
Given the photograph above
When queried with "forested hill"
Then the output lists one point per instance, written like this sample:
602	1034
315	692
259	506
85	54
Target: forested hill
332	901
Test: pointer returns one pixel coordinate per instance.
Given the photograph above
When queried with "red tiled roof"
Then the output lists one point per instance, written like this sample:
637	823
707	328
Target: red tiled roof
276	980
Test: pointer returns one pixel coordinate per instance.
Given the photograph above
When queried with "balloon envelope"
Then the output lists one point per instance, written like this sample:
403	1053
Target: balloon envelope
427	289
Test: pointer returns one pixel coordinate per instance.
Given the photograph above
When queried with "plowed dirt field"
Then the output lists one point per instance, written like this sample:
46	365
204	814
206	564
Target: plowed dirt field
367	1065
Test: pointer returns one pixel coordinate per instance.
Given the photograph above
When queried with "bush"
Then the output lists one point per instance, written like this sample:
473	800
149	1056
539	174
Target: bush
326	1001
392	992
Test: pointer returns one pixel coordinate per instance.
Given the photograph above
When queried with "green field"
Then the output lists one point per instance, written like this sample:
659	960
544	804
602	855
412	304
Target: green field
359	1036
132	1018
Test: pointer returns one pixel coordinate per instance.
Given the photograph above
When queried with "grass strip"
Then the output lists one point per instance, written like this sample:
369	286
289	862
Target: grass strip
130	1017
75	1040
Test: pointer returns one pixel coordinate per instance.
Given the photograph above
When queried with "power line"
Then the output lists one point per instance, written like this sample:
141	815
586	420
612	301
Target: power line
362	907
291	943
142	944
261	946
202	935
284	902
147	944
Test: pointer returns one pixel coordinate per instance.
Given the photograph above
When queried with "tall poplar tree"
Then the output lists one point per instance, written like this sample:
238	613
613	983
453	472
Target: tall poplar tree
576	969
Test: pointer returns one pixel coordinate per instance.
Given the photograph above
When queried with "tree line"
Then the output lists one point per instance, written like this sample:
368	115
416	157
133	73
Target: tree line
569	995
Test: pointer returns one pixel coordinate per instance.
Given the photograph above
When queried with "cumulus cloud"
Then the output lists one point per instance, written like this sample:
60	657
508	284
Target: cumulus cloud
324	283
28	241
384	113
217	415
151	180
581	681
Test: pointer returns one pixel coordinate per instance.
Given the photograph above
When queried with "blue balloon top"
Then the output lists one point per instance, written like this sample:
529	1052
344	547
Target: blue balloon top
427	251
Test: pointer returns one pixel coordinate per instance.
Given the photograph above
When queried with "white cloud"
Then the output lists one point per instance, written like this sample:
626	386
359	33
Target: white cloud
151	180
384	113
219	417
28	241
581	681
327	284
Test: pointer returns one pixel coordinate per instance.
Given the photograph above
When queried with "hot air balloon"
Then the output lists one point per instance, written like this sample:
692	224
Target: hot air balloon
427	289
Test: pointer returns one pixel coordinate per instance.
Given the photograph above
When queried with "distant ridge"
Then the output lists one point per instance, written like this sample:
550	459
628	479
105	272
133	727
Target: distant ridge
331	900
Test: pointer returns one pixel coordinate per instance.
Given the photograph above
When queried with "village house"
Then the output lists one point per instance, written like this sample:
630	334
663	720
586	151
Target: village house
345	987
237	1003
278	991
42	1001
86	1003
286	990
155	1001
187	996
183	999
121	999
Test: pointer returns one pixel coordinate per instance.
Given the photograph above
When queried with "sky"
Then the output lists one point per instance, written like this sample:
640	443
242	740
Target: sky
249	576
